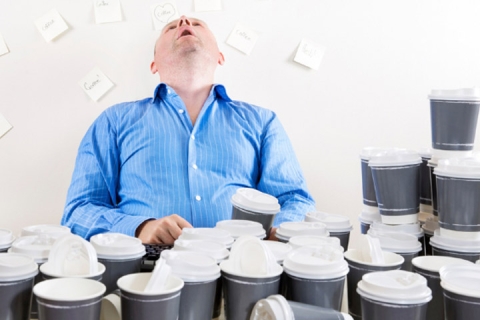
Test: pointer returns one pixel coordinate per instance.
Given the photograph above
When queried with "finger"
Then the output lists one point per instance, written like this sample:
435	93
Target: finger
181	222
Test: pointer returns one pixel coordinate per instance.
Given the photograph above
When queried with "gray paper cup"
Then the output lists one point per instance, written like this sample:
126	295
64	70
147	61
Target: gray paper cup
429	228
429	267
140	305
17	272
463	248
358	268
367	217
460	285
69	299
338	225
425	183
394	295
396	176
287	230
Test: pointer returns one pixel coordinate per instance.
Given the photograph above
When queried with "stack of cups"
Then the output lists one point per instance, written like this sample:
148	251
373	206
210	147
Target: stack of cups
120	254
316	275
338	225
6	239
251	204
238	228
409	228
457	247
287	230
394	295
460	285
429	228
426	208
53	230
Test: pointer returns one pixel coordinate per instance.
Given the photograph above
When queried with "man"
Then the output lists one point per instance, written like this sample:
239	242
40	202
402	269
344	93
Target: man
150	168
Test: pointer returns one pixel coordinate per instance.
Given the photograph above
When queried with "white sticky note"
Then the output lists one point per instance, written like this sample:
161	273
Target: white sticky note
3	46
208	5
107	11
309	54
51	25
243	38
95	84
4	126
163	13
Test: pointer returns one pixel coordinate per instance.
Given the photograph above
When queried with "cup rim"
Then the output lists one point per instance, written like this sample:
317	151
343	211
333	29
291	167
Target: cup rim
98	288
394	263
178	284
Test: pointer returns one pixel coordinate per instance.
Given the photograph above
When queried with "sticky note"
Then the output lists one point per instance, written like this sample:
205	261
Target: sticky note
243	38
208	5
163	13
51	25
3	46
95	84
107	11
4	126
309	54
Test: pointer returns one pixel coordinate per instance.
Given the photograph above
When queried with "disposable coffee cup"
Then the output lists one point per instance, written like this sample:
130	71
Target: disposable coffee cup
238	228
287	230
368	189
429	228
17	272
338	225
394	295
432	164
404	244
279	249
360	265
396	177
460	285
454	115
120	254
53	230
208	234
199	273
409	228
367	217
69	299
278	308
250	274
251	204
316	276
303	241
425	183
458	189
429	267
137	304
463	248
111	307
6	239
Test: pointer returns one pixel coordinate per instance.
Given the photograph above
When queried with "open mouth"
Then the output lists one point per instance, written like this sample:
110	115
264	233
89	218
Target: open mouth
185	33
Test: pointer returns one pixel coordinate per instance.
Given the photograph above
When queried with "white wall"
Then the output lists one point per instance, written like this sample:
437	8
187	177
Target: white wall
382	60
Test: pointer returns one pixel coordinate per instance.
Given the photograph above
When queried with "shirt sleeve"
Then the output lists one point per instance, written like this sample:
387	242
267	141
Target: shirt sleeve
91	205
281	175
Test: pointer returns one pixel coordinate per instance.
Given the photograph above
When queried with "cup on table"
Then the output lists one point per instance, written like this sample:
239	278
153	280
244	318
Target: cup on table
396	177
429	227
199	273
17	272
456	244
251	204
238	228
120	254
69	299
6	239
54	230
394	295
338	225
429	267
460	285
287	230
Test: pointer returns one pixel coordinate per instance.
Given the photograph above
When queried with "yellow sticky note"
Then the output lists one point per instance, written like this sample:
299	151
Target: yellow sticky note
95	84
51	25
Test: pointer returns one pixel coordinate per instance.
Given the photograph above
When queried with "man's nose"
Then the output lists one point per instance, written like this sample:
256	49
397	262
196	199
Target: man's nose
184	20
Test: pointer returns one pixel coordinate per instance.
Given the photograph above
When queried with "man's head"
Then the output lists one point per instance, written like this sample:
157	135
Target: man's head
186	40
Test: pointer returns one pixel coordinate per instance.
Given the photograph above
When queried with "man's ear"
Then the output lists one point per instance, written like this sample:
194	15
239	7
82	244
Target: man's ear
153	67
221	59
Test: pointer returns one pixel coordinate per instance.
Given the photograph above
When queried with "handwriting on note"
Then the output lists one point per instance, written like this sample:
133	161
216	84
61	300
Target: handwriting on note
3	46
4	126
95	84
51	25
163	13
309	54
243	38
208	5
107	11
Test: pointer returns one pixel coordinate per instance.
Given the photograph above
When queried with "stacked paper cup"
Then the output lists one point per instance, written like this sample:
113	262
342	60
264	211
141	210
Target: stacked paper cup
426	207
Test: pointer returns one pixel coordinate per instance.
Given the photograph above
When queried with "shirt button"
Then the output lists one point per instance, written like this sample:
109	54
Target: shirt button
198	198
193	137
181	110
194	166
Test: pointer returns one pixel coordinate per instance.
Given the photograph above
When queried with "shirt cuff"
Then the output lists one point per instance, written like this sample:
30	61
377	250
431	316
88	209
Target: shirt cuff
129	224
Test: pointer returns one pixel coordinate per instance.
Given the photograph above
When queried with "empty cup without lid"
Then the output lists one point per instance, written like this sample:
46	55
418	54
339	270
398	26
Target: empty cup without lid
209	234
239	228
287	230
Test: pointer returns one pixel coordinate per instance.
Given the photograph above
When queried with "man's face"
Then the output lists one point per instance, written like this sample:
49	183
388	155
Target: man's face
182	37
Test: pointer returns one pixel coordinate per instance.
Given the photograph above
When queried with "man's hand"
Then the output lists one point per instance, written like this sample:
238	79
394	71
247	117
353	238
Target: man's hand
272	235
163	231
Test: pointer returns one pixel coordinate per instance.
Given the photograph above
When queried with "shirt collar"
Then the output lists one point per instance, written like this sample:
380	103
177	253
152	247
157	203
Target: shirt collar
163	90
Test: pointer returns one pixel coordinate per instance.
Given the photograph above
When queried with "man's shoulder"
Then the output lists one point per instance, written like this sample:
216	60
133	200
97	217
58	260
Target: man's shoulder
249	110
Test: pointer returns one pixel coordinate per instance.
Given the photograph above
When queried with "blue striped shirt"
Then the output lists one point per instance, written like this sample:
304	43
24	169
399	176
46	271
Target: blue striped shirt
144	159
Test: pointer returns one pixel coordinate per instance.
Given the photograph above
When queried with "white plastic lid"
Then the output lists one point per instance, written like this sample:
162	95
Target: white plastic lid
303	241
468	168
316	262
334	222
255	201
51	229
192	266
435	263
279	249
14	266
239	228
410	228
37	247
464	94
368	152
287	230
454	244
209	234
395	157
274	307
438	154
430	225
117	246
6	238
395	286
461	279
396	241
216	250
425	153
369	214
